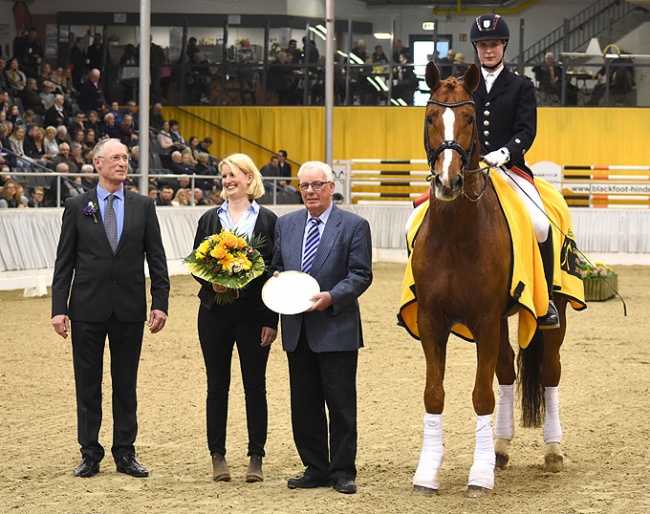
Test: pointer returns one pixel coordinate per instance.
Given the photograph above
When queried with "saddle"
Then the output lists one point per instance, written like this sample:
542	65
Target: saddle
527	286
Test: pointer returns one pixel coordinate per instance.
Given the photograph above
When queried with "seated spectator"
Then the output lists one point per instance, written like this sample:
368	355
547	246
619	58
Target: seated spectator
165	195
182	197
16	79
76	155
11	197
548	75
93	123
36	149
49	143
199	197
193	145
69	187
180	164
78	137
90	179
37	198
165	138
271	169
16	141
134	161
246	59
204	169
129	137
175	134
153	192
47	94
621	81
76	124
61	135
56	115
6	157
64	158
460	67
132	109
115	111
111	129
90	138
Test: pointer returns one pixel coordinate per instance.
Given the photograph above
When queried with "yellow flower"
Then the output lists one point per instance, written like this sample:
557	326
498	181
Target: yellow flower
244	263
219	252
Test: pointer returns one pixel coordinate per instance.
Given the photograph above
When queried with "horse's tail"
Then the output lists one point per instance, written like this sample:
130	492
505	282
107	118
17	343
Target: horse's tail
531	389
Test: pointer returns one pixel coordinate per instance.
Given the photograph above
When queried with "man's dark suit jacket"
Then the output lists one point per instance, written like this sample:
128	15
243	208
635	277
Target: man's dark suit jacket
103	283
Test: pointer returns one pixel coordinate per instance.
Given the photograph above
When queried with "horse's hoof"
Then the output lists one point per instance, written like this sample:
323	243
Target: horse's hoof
475	491
425	490
502	460
553	463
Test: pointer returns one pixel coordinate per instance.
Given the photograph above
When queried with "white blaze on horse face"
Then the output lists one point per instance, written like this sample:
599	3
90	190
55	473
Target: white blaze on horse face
448	121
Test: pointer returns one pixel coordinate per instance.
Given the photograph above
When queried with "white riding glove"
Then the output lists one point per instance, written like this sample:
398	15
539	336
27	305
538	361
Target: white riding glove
497	158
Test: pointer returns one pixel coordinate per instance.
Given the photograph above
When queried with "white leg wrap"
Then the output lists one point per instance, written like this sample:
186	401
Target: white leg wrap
428	472
552	426
532	201
481	473
505	427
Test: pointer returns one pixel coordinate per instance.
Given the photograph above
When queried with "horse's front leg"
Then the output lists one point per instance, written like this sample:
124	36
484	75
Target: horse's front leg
504	429
481	474
434	344
551	370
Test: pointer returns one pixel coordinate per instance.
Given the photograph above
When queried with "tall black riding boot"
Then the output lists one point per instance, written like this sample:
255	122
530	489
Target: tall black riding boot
551	319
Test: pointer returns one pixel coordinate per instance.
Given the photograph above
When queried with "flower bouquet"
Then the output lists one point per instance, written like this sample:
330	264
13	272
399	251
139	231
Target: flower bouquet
599	279
227	259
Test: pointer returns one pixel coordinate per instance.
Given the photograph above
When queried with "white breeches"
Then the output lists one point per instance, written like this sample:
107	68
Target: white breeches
533	202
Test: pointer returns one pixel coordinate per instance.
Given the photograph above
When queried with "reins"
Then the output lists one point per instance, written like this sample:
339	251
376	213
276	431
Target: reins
451	144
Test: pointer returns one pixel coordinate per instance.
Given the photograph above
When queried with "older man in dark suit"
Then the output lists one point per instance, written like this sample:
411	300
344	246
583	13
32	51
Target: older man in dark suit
98	290
322	344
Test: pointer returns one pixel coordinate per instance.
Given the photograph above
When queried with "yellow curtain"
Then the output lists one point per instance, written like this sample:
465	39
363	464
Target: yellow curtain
576	136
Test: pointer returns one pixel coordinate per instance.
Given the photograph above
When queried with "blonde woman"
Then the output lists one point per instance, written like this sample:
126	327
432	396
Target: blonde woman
246	322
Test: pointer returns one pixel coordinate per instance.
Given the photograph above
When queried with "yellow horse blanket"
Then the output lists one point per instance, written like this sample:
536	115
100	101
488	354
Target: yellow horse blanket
528	284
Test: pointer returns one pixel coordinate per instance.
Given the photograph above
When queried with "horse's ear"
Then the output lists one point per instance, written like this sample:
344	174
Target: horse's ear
472	78
432	76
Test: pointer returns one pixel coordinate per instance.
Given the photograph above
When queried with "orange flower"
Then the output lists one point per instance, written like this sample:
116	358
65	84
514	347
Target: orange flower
219	252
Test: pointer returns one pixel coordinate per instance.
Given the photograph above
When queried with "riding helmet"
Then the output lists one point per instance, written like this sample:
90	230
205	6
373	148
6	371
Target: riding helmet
488	27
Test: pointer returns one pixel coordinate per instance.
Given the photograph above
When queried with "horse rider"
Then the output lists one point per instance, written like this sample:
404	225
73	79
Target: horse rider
506	116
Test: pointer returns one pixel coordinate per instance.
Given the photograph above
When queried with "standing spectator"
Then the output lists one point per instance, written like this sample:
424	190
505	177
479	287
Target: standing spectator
78	62
157	61
446	64
97	56
111	302
192	49
247	322
292	50
91	96
322	343
378	56
34	53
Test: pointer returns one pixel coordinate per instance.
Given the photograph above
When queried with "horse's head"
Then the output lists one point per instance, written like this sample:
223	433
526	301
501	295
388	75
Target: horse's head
450	137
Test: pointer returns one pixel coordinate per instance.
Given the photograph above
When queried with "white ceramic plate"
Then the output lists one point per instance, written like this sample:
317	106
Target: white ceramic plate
290	292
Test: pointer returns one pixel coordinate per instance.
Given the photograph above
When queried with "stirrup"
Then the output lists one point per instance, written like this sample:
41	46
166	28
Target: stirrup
551	319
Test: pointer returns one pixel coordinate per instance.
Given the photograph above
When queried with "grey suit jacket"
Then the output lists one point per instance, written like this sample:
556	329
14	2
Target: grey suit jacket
342	266
90	283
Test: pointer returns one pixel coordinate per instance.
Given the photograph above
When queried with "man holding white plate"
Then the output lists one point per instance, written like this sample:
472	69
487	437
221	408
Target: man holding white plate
322	340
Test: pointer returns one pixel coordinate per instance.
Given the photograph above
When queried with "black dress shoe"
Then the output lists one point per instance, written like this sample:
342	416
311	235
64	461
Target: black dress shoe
87	468
129	466
345	485
551	319
305	481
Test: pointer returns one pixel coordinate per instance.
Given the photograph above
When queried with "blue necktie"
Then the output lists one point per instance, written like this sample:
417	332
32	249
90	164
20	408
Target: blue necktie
311	245
110	223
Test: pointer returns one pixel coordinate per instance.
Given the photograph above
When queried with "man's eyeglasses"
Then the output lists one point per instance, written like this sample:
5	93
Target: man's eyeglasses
115	158
316	186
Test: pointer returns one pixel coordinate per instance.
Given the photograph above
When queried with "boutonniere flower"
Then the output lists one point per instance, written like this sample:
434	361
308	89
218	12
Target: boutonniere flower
91	210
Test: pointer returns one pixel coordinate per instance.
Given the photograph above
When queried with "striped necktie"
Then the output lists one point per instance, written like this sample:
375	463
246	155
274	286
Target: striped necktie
311	245
110	223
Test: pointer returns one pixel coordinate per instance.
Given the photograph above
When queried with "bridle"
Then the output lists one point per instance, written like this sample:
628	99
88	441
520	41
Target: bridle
451	144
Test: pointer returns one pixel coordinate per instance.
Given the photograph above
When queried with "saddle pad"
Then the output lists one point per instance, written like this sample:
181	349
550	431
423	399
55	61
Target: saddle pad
528	284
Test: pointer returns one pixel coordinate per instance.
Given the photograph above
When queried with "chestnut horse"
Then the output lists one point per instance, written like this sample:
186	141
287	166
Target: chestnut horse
461	266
